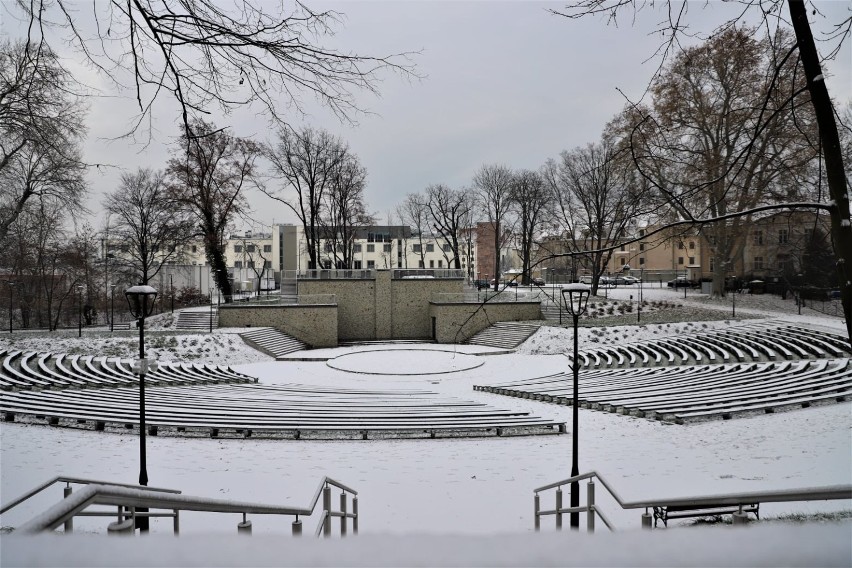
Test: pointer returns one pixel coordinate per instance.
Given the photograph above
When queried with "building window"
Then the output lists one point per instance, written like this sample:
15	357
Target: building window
623	261
194	248
758	237
641	232
371	248
357	265
430	247
416	248
691	260
440	264
238	264
386	248
420	264
783	236
238	248
692	245
641	246
251	264
621	248
680	260
641	261
680	246
371	264
431	264
758	263
357	247
249	248
448	248
711	263
267	248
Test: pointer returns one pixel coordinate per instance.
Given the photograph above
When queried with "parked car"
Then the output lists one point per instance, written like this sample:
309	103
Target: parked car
602	281
538	281
626	280
481	284
682	282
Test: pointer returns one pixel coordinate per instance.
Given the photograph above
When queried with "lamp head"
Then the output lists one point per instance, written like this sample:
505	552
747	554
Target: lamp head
141	300
576	297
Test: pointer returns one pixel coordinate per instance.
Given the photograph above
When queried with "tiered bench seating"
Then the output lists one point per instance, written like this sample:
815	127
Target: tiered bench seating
276	411
752	368
753	342
41	371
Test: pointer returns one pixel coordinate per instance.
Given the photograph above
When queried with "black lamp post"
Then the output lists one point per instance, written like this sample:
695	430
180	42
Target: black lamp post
141	301
172	291
576	297
80	312
112	308
11	308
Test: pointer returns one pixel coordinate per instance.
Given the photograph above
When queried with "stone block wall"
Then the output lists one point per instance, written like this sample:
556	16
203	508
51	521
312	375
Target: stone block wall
383	308
457	322
315	325
356	314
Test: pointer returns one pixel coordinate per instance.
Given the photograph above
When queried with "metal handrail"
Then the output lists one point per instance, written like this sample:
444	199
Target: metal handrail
134	497
79	481
739	499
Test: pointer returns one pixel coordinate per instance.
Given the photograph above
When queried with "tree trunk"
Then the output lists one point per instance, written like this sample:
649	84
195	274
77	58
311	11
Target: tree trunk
841	226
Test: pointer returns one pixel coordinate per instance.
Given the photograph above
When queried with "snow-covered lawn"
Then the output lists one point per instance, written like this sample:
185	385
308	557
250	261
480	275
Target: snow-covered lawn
457	486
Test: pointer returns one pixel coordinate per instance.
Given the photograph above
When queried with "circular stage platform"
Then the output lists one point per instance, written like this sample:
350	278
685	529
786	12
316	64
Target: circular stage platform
405	362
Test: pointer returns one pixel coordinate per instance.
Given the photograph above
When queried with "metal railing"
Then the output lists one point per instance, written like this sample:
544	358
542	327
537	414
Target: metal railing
68	490
483	296
336	274
285	300
134	501
439	273
729	499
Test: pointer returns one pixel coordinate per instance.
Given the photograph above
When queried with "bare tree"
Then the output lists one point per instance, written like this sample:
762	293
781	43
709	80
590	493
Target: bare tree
40	132
597	203
494	184
307	161
414	212
531	199
345	210
147	221
208	181
449	210
212	57
727	133
830	147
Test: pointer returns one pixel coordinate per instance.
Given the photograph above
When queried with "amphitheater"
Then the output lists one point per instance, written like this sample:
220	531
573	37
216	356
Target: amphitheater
461	434
703	375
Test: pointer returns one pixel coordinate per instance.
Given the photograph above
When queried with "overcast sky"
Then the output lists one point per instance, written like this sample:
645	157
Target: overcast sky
503	82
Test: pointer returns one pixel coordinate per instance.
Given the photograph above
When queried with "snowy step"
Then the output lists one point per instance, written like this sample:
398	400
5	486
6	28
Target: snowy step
272	342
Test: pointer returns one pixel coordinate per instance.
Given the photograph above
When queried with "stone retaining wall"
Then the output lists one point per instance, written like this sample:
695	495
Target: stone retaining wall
315	325
458	322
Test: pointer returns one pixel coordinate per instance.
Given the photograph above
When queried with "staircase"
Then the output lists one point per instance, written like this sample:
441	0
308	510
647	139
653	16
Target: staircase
272	342
504	335
197	320
550	312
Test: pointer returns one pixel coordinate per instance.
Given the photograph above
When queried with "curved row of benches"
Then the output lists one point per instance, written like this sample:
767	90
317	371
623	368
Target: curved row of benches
31	370
272	411
693	393
754	342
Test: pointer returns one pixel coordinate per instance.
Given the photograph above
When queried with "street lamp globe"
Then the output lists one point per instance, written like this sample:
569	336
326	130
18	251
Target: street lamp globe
576	297
141	300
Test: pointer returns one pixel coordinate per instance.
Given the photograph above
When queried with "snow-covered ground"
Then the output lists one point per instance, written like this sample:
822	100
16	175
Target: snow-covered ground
474	487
